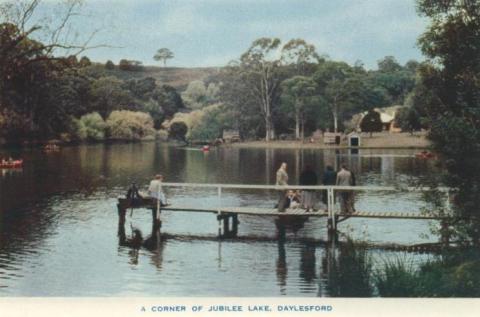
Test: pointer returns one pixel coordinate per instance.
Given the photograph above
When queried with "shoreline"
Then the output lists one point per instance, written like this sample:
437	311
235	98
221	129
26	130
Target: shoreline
382	140
300	145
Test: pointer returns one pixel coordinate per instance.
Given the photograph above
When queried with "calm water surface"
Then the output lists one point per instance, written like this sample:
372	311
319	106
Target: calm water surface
59	223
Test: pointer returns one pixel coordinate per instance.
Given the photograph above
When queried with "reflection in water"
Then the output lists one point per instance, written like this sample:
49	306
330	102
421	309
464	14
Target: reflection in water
281	268
349	274
52	210
135	242
308	263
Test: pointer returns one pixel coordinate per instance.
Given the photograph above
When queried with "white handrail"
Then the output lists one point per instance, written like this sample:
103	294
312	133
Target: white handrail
318	187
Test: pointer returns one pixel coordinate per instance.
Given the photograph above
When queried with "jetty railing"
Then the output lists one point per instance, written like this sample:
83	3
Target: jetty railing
330	190
229	214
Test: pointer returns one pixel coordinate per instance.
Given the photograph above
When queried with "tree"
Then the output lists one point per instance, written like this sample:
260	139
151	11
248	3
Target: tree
260	69
298	92
109	65
31	72
211	124
177	131
169	99
452	45
195	95
388	65
300	56
92	127
336	85
108	95
163	54
85	61
408	119
129	125
130	65
371	122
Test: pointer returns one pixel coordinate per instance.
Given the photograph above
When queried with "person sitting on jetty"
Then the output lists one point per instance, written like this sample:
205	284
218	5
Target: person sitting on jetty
292	200
155	190
133	195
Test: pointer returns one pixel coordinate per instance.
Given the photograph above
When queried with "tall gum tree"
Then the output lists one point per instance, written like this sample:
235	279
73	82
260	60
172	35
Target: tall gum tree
260	69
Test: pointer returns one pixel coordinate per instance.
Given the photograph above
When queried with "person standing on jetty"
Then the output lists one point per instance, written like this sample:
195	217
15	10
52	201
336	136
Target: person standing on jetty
344	178
329	179
308	178
155	190
282	180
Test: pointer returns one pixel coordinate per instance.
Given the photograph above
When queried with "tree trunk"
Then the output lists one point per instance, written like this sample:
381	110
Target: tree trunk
335	115
268	128
302	130
297	124
335	122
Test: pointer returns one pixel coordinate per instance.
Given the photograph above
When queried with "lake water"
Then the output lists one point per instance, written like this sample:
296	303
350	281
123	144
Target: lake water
59	222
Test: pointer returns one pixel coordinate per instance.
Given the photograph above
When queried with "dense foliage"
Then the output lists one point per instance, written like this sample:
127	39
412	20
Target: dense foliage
448	95
273	89
371	122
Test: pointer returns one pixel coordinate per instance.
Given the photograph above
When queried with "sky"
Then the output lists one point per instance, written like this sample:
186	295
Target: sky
205	33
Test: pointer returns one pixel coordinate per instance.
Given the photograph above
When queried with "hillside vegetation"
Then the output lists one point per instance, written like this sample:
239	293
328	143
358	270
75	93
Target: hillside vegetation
177	77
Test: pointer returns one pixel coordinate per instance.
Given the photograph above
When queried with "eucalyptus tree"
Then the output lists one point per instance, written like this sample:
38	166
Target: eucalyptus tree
259	68
301	57
298	94
258	75
333	79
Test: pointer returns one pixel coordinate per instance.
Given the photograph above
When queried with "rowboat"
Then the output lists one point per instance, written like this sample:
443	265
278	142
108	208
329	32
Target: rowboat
12	164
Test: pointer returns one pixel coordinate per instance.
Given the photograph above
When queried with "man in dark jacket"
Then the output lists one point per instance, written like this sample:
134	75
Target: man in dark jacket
308	178
329	178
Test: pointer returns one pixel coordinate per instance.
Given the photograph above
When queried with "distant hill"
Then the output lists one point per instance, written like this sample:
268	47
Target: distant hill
177	77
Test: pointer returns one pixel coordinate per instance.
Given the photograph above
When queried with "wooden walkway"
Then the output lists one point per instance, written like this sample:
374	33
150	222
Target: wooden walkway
256	211
227	216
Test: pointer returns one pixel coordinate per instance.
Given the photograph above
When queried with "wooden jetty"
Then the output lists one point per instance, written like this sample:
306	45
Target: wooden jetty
227	216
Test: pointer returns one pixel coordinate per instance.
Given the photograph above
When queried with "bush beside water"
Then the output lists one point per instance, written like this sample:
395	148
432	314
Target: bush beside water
452	274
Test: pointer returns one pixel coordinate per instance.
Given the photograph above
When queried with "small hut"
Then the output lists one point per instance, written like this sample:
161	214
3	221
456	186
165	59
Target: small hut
331	138
231	136
354	139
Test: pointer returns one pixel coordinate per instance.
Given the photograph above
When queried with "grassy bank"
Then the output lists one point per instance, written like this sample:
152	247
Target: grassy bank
377	140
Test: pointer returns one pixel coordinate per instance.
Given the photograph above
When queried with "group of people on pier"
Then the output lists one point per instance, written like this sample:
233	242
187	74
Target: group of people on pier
306	199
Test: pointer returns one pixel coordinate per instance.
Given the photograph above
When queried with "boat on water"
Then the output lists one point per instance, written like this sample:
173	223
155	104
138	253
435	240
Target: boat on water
51	148
425	155
11	164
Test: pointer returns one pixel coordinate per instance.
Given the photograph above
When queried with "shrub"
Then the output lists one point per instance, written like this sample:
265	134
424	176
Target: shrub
129	125
396	279
210	125
109	65
178	131
91	127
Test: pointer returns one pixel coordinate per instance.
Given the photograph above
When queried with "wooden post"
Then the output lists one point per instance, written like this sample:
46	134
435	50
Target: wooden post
226	226
121	214
332	225
281	230
122	237
235	223
156	223
445	233
219	211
